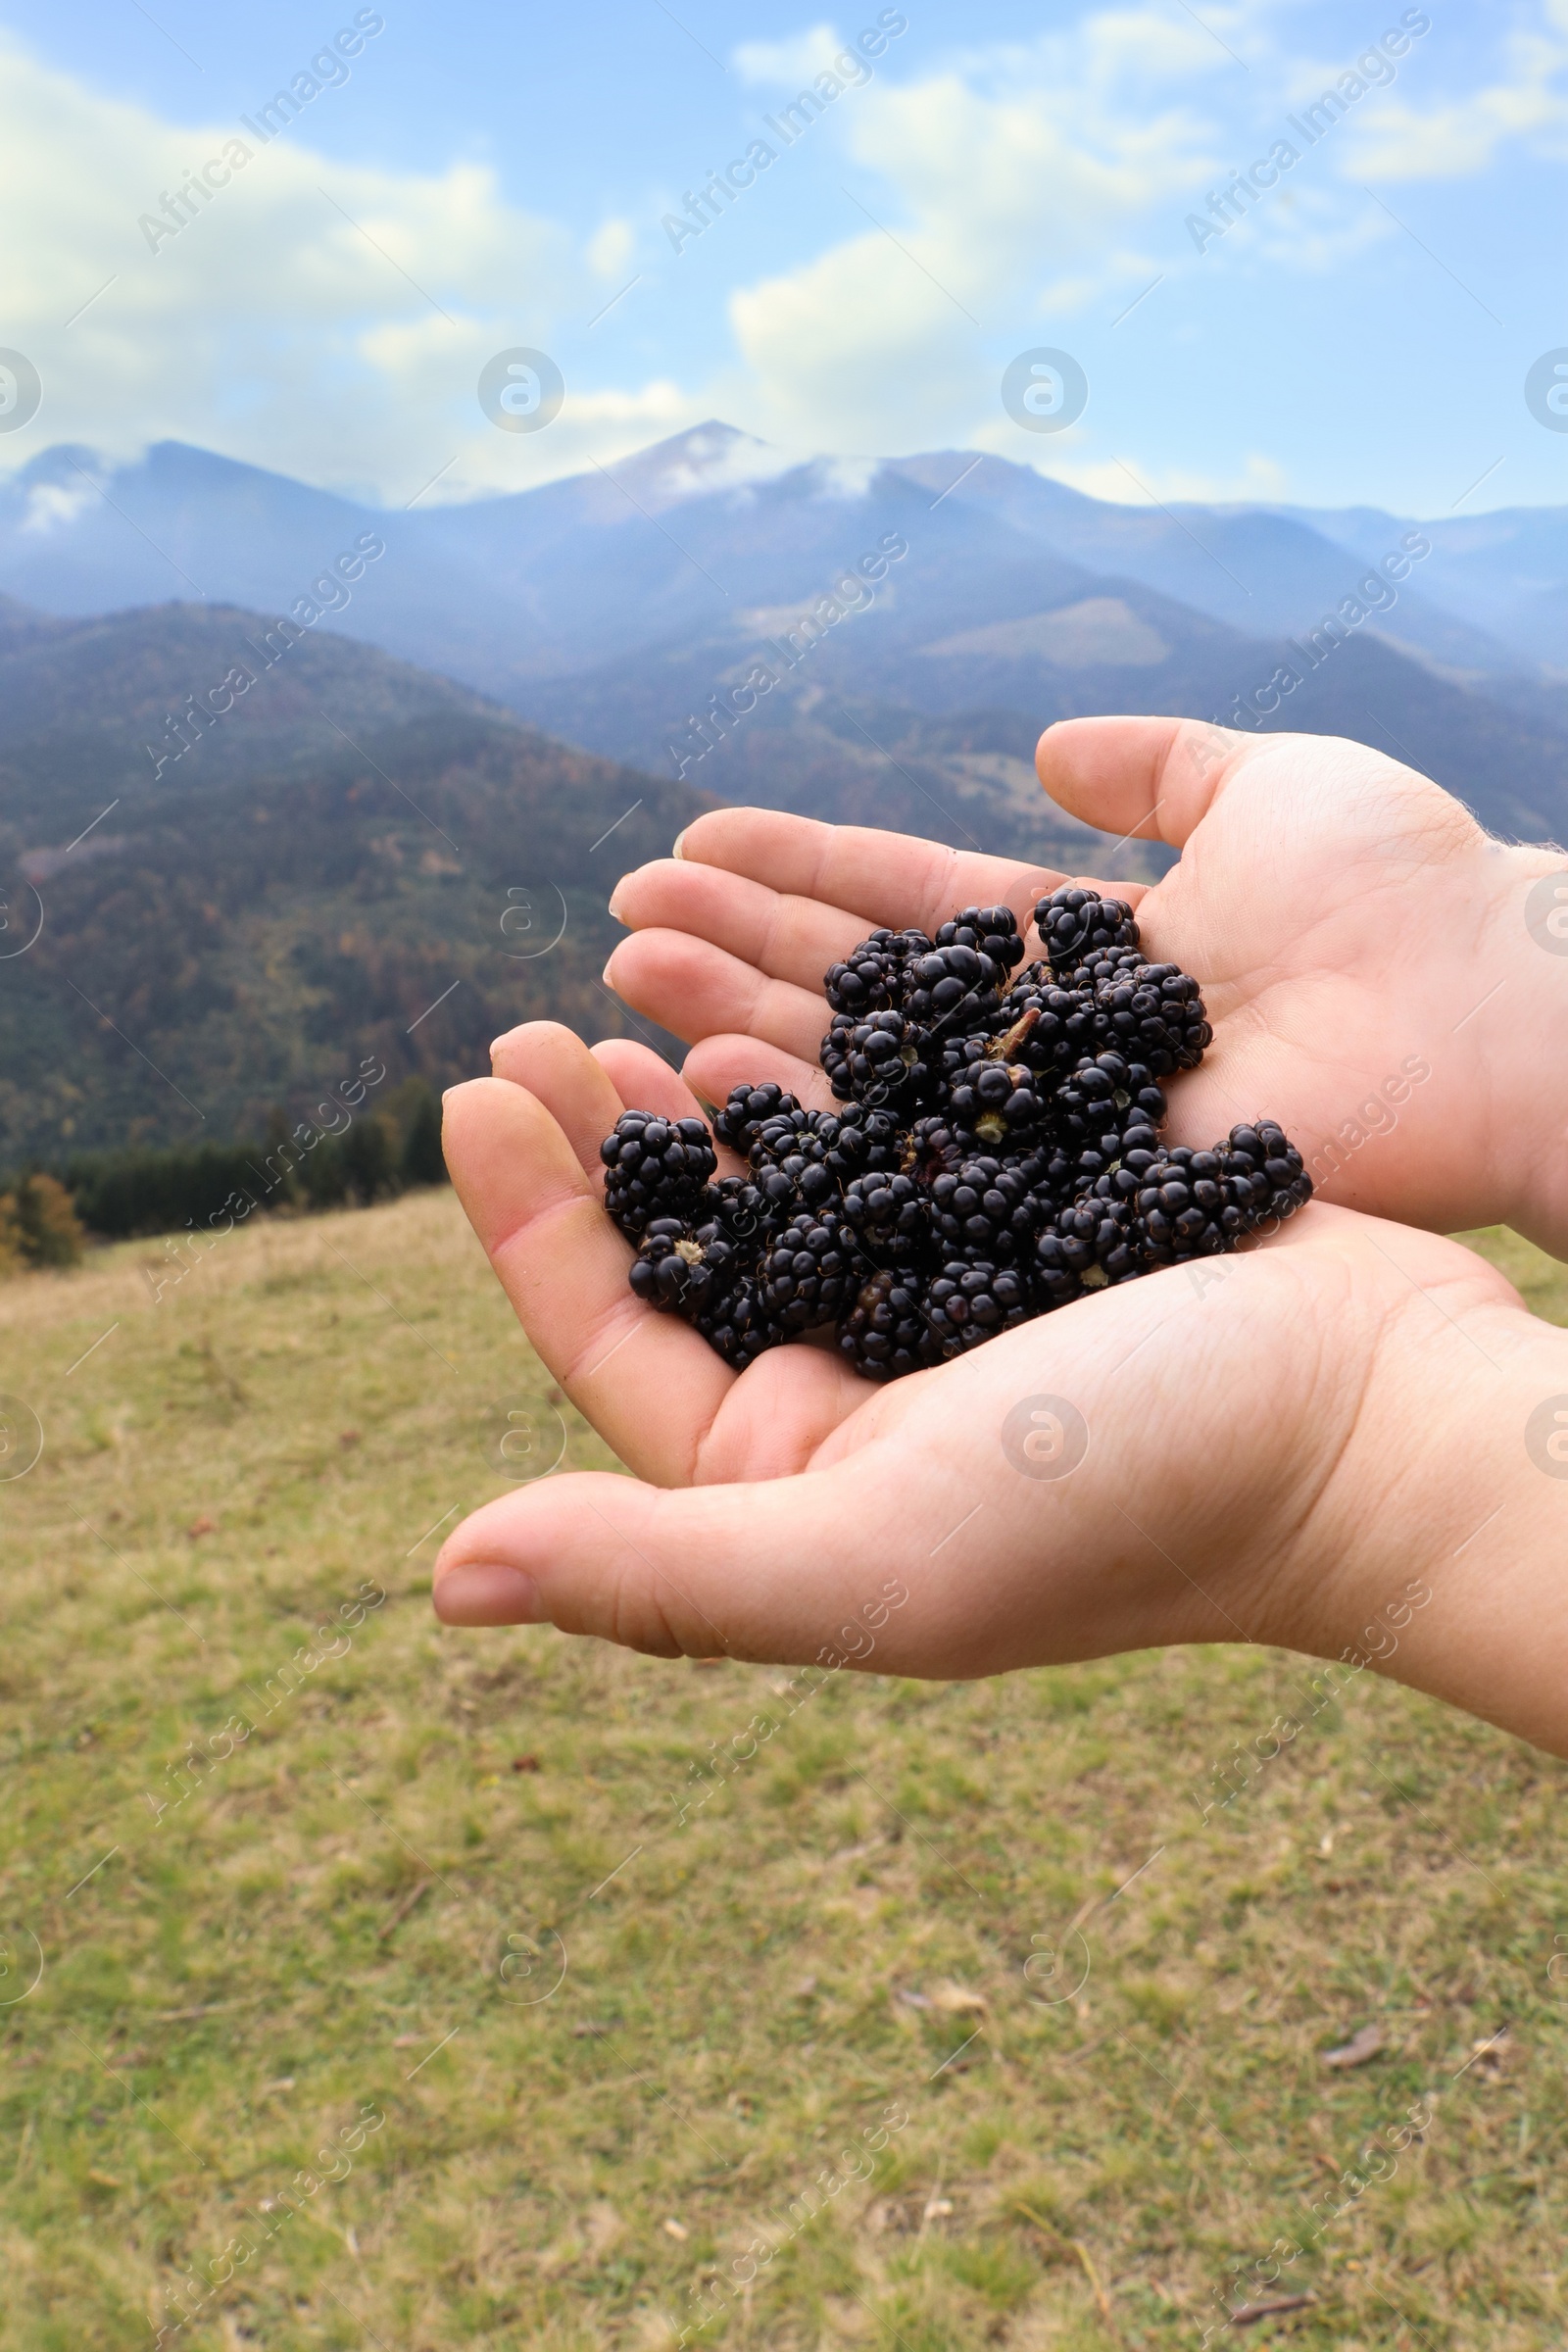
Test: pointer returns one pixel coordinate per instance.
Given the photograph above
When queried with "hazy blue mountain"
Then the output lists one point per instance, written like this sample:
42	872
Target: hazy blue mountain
1505	574
674	541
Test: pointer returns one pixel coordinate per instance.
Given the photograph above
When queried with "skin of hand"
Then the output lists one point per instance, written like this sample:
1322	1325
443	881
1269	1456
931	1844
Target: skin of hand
1383	978
1270	1447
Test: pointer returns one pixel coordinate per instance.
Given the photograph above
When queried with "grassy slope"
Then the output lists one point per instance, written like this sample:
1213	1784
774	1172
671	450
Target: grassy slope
246	1970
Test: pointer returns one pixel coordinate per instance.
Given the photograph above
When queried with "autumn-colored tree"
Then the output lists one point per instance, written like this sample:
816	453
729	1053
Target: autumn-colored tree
46	1229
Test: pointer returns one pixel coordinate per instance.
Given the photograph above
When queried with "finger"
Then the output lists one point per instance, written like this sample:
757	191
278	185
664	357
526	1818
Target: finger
1145	779
645	1081
694	989
649	1383
757	1571
890	878
788	938
578	1091
717	1065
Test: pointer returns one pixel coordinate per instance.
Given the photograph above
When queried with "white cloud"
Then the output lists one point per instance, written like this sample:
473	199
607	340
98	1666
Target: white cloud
1454	138
991	194
1139	483
611	248
329	320
783	65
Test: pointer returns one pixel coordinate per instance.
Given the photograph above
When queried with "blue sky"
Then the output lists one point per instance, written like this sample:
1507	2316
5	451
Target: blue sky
994	180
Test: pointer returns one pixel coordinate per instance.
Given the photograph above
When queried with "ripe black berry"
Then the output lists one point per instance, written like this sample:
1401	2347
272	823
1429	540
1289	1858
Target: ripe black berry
872	975
972	1300
985	1211
992	930
809	1273
879	1058
654	1168
683	1270
1198	1203
747	1107
1074	923
890	1219
888	1330
739	1325
1153	1013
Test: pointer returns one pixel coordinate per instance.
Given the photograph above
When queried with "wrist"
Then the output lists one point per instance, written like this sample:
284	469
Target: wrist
1518	1043
1437	1550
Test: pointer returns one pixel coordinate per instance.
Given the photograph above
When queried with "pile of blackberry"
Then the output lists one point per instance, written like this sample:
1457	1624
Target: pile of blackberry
997	1153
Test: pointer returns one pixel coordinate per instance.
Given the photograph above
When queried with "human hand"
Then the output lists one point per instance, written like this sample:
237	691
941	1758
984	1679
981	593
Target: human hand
1273	1445
1362	946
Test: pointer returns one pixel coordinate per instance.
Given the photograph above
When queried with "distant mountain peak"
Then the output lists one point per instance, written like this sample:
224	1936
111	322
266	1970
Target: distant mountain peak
706	457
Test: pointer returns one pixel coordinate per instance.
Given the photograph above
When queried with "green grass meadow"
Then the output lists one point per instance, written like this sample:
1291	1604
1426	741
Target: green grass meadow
371	1984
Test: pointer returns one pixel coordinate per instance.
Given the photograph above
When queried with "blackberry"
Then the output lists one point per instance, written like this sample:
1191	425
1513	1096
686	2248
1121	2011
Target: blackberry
1066	1022
1002	1105
871	976
740	1208
1055	1279
1263	1154
932	1145
1074	923
1105	1096
789	1160
972	1300
991	930
887	1332
744	1111
1198	1203
654	1168
1097	1238
879	1059
869	1139
682	1270
890	1219
807	1275
951	983
789	1129
986	1211
738	1324
1153	1013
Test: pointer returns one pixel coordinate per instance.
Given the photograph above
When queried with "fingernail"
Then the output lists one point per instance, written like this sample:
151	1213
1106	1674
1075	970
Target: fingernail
616	914
677	851
487	1593
605	974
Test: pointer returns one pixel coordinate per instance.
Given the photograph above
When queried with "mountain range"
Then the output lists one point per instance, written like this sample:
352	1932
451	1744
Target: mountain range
357	860
270	761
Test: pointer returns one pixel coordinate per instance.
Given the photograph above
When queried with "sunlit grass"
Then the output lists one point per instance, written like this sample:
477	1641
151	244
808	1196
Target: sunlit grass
874	2031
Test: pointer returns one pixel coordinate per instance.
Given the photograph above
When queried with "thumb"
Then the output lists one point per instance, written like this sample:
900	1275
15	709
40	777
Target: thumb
778	1570
1148	779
